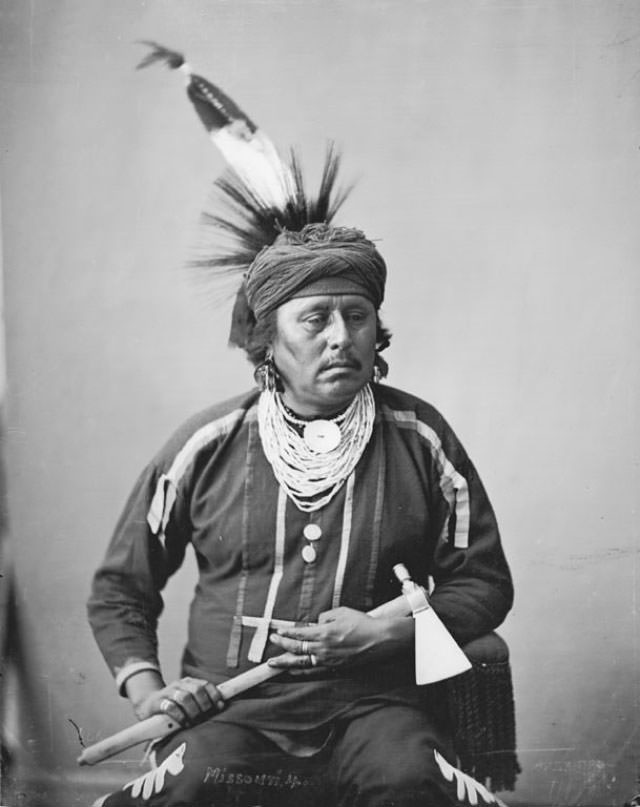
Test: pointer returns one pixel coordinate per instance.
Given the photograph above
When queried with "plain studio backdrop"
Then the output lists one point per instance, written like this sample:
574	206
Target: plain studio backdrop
496	151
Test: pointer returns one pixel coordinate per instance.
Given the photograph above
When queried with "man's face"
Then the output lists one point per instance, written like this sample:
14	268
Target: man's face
324	349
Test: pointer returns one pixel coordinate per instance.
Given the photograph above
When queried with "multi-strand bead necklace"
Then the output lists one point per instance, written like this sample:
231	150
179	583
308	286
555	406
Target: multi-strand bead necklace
311	459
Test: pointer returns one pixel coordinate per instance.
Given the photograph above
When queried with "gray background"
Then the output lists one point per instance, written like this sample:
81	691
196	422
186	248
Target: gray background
496	146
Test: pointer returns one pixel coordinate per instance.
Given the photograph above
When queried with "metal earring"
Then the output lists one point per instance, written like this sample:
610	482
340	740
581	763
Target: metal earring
380	369
265	374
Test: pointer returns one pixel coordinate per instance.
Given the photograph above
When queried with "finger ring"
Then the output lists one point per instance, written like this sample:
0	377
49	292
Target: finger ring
314	659
165	705
304	648
177	696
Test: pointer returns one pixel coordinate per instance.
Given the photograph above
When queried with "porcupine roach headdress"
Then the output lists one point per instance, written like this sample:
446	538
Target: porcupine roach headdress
262	193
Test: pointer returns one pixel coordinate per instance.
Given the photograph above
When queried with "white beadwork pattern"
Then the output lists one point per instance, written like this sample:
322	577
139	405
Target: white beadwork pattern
310	478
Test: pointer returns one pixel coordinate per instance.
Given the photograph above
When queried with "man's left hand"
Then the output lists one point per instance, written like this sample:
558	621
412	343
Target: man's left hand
342	636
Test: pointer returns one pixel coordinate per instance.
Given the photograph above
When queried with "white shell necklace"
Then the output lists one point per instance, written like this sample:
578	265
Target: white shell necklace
313	466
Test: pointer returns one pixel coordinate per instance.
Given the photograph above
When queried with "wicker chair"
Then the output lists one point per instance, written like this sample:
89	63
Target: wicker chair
482	713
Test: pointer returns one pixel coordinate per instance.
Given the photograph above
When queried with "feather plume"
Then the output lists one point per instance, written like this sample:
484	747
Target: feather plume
159	53
231	239
247	149
261	194
248	224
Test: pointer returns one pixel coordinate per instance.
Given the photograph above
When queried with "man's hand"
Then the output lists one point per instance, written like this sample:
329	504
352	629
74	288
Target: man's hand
343	636
185	701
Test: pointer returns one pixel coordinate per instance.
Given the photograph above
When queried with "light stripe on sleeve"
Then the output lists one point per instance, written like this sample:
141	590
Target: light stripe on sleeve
452	484
167	487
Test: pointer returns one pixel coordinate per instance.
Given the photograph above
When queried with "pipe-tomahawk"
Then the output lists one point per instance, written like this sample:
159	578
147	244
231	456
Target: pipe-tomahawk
444	659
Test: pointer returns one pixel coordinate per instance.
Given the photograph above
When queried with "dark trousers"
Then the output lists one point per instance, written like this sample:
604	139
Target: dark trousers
390	757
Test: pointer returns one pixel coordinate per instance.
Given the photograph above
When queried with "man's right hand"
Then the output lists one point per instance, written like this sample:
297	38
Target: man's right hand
185	700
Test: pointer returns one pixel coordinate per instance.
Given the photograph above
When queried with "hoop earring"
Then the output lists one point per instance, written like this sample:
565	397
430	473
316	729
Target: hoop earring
266	375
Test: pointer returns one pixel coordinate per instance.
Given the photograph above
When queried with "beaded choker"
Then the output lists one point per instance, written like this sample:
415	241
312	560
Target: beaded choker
312	466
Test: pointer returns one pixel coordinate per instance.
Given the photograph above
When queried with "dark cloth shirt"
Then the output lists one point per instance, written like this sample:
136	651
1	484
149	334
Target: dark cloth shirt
414	498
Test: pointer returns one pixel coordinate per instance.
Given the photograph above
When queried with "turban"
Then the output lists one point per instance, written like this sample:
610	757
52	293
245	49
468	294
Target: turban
319	259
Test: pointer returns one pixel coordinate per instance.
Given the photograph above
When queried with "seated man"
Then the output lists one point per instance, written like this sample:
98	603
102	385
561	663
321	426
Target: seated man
298	500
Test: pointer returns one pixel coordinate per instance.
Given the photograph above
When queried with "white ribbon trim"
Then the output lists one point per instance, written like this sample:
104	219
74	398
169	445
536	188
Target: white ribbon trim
167	486
452	484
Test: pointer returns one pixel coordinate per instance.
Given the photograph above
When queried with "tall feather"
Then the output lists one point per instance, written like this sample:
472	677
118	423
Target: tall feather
260	193
247	149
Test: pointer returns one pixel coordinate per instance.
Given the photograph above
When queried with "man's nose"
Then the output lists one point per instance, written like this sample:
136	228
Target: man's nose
339	335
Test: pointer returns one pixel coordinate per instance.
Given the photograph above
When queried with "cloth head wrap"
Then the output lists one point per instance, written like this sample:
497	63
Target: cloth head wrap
319	259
